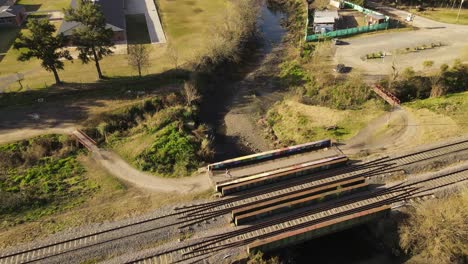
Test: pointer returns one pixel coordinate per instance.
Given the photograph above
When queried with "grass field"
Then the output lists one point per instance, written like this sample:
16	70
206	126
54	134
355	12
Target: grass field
187	25
112	201
446	15
44	5
137	29
446	114
299	123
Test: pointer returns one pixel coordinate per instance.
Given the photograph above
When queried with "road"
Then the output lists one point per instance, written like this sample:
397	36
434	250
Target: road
453	36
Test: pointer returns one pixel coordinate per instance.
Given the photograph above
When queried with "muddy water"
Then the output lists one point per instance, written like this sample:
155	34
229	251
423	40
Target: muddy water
229	88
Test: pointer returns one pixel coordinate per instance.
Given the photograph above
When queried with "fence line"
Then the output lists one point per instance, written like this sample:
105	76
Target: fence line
349	31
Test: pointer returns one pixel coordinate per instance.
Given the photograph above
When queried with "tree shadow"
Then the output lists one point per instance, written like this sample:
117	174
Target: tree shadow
8	36
347	21
31	8
69	103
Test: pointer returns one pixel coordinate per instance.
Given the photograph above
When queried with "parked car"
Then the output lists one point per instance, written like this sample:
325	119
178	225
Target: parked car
337	41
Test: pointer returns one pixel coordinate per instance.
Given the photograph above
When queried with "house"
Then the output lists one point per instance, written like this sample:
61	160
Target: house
339	4
324	21
11	14
373	19
114	14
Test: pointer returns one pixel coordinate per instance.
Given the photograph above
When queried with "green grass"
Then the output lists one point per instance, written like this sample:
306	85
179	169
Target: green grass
160	143
41	177
446	15
137	29
187	25
44	5
454	106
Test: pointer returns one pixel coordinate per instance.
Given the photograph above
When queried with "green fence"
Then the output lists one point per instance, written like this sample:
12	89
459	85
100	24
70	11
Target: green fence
350	31
347	32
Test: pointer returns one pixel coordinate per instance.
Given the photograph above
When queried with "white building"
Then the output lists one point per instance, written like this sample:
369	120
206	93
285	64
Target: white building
324	21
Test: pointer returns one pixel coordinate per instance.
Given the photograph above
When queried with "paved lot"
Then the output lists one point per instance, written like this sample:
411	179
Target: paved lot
148	8
454	36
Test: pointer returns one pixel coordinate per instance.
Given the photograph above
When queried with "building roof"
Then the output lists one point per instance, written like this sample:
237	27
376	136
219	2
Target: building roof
325	17
376	16
113	11
10	11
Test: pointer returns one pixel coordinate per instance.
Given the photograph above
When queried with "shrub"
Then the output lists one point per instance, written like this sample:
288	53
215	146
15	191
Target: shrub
437	231
173	151
39	172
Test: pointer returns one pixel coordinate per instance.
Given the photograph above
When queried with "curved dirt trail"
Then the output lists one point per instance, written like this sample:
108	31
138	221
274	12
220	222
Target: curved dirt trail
393	130
118	167
124	171
12	135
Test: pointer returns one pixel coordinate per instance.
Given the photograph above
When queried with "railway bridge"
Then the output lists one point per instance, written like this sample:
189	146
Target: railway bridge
266	201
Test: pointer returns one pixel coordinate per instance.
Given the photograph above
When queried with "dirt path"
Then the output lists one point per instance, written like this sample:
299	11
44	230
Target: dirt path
12	135
124	171
391	131
119	167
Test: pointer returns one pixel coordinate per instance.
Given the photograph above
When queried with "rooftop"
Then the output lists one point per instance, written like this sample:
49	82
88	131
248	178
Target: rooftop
113	11
9	11
325	17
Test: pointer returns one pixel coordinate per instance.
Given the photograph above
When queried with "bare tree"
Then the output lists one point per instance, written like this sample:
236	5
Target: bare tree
138	57
394	74
173	54
437	89
191	93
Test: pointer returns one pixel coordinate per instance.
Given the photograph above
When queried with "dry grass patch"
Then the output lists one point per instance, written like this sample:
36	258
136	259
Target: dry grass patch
437	230
295	122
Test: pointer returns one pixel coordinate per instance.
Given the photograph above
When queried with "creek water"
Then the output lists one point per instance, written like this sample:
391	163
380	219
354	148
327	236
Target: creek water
228	87
351	246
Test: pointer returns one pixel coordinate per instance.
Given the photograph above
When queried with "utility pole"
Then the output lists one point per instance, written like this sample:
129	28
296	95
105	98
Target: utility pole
459	9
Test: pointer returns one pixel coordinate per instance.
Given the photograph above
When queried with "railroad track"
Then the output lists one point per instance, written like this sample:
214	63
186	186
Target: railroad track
190	215
428	154
209	246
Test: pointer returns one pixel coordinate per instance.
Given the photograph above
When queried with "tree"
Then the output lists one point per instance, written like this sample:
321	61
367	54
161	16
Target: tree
138	57
92	38
42	44
437	89
191	93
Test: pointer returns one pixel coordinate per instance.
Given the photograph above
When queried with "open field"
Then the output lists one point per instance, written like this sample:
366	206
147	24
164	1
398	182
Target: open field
453	106
445	15
191	24
113	200
44	5
299	123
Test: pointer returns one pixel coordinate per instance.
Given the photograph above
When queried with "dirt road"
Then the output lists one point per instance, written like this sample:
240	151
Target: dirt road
124	171
453	36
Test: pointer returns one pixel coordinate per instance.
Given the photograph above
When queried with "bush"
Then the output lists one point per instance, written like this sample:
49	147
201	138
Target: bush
39	173
173	152
437	231
416	86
